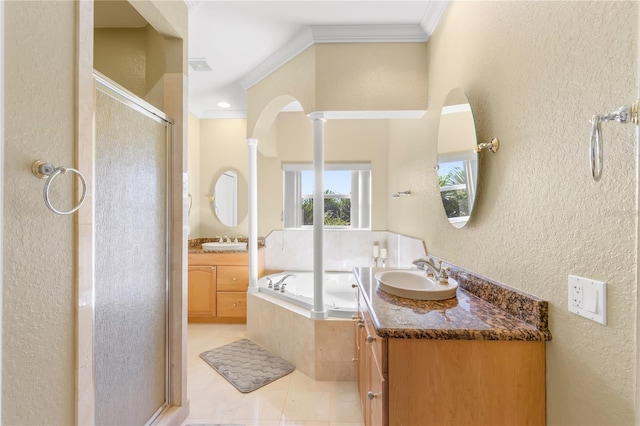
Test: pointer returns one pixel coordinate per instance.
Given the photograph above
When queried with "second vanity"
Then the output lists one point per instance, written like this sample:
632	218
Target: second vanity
478	358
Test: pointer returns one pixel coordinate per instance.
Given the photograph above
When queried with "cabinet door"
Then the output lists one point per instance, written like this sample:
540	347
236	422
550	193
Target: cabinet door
202	291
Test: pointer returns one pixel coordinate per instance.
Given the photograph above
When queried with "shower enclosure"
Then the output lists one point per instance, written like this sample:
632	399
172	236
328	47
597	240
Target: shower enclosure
132	193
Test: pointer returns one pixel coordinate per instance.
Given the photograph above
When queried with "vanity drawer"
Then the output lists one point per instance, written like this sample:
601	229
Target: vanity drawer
233	278
232	304
373	341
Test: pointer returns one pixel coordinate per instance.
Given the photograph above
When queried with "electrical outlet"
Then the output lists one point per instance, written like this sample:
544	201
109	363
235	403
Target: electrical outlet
588	298
575	294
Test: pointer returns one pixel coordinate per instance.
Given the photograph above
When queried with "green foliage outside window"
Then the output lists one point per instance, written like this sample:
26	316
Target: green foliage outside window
337	211
455	201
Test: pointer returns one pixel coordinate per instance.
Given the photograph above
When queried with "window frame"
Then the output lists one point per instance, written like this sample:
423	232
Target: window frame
360	213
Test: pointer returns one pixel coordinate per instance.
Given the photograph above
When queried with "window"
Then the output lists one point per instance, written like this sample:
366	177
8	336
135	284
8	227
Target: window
347	195
457	176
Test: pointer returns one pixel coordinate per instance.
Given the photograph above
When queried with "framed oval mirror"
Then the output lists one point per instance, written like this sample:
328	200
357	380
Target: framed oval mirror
230	197
457	158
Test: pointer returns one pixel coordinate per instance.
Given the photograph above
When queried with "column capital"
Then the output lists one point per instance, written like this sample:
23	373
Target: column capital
252	142
318	115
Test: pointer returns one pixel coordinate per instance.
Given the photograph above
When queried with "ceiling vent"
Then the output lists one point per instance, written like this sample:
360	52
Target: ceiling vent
199	64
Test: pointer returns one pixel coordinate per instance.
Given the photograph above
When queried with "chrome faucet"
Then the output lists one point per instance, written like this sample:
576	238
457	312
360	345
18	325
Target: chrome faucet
276	286
439	272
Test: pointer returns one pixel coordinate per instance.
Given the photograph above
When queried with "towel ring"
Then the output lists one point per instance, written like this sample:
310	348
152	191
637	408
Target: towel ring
624	114
47	171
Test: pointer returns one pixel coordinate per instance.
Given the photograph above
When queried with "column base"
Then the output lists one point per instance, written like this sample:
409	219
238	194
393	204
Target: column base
318	315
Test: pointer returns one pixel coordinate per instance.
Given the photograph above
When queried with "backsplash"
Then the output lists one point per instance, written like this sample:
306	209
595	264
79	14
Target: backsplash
292	249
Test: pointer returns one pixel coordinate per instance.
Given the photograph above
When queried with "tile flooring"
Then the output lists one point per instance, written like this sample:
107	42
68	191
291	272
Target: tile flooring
294	400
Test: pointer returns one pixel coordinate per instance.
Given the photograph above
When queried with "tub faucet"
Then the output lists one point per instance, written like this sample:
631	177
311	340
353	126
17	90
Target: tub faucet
276	286
439	272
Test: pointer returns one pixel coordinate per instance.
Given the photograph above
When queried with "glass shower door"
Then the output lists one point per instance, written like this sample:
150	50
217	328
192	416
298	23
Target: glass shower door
131	270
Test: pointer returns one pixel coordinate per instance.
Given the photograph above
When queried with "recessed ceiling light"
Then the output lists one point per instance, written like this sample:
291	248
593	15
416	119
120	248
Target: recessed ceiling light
224	104
199	64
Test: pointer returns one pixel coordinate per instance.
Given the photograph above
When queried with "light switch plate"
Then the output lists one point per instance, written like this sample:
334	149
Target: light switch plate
588	298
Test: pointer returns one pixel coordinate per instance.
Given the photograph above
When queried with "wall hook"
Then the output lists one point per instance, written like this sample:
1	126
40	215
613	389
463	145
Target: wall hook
624	114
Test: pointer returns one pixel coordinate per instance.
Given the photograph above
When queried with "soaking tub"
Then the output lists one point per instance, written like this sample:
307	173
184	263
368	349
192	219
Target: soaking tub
339	297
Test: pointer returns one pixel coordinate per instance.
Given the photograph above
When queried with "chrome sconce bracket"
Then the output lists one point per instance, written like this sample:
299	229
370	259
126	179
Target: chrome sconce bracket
401	194
624	114
492	146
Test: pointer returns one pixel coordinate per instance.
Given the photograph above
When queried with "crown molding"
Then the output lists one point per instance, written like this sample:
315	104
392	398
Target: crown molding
283	55
368	33
334	34
432	16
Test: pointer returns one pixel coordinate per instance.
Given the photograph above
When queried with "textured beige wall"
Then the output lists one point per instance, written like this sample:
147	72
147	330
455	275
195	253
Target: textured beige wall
535	72
121	55
345	141
296	78
371	76
193	172
223	146
39	247
345	77
38	272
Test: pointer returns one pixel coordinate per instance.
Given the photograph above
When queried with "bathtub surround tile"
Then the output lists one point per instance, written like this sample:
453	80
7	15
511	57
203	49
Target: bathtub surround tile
292	249
322	349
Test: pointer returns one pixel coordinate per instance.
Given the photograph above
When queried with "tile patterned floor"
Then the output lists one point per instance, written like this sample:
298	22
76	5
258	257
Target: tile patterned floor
294	400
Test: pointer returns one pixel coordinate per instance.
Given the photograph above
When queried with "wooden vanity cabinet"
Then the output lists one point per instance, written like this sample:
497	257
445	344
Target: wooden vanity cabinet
217	286
371	358
404	382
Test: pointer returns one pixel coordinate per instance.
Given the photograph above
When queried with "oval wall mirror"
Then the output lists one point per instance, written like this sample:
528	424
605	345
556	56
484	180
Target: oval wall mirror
230	197
457	158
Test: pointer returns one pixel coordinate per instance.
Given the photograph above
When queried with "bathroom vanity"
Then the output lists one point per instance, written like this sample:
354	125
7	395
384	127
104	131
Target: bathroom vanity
218	283
478	358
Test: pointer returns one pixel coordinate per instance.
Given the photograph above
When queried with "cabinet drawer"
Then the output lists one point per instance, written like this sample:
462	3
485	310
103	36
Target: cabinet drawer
373	341
233	278
231	304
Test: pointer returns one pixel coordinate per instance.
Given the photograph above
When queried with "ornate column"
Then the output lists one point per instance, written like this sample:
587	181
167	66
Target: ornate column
252	145
318	311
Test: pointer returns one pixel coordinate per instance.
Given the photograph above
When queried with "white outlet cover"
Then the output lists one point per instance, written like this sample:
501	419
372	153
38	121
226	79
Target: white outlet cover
588	298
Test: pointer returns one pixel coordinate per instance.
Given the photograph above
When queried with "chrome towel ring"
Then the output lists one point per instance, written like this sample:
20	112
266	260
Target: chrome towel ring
48	171
624	114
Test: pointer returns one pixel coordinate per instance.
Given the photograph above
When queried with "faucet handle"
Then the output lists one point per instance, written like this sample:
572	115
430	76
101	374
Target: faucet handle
444	271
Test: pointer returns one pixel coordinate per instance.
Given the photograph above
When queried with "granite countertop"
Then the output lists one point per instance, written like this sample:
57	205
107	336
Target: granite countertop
195	245
494	312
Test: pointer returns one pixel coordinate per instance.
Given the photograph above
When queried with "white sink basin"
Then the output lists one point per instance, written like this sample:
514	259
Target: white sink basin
415	285
224	246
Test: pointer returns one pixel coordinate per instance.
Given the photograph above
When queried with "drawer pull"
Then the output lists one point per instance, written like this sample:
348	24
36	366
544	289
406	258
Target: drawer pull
370	339
234	305
372	395
235	279
354	359
354	285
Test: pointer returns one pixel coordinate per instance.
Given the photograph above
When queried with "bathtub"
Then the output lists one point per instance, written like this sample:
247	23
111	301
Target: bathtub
339	296
281	323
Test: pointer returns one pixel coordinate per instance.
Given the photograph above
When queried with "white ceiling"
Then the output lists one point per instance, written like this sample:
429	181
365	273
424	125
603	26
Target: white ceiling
243	41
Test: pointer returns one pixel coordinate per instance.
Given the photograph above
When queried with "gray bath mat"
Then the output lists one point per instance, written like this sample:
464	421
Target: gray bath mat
246	365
